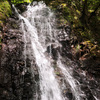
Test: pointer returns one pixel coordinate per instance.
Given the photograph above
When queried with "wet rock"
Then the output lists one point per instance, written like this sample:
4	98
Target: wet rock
14	85
69	96
89	83
64	34
22	7
88	93
53	50
92	66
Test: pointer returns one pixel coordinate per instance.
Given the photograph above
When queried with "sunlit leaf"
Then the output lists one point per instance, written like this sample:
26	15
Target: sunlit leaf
78	11
75	17
91	11
63	5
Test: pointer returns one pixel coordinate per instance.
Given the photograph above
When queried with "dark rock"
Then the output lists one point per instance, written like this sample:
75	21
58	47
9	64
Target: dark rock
16	82
22	7
92	66
64	34
69	96
53	49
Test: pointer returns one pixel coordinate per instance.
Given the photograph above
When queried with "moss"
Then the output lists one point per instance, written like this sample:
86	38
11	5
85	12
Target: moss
20	1
5	12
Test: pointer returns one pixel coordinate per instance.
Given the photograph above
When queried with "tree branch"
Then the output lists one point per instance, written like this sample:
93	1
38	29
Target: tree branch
93	13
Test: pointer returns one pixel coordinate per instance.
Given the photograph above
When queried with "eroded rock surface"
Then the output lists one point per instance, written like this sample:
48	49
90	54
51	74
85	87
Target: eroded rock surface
15	80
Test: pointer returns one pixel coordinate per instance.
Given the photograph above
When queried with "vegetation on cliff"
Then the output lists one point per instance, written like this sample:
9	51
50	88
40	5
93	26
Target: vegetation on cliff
6	12
84	18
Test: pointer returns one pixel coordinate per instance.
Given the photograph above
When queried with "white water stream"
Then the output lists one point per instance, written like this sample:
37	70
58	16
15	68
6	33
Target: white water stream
39	31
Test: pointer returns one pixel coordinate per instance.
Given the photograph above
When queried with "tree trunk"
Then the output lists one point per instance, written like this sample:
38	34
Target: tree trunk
84	16
94	13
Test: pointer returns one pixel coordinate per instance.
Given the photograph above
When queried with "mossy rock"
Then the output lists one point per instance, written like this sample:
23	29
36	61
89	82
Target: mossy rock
5	12
16	2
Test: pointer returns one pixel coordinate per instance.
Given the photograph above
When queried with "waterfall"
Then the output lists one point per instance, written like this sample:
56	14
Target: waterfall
38	25
71	81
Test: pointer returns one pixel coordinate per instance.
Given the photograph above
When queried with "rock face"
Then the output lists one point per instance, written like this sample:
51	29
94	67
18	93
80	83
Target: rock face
22	7
15	81
65	33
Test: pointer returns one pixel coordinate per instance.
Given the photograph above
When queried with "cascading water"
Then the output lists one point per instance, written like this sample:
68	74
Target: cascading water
70	80
48	84
39	33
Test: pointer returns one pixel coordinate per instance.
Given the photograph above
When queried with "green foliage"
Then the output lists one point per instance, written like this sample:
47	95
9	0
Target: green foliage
5	11
20	1
78	47
84	16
